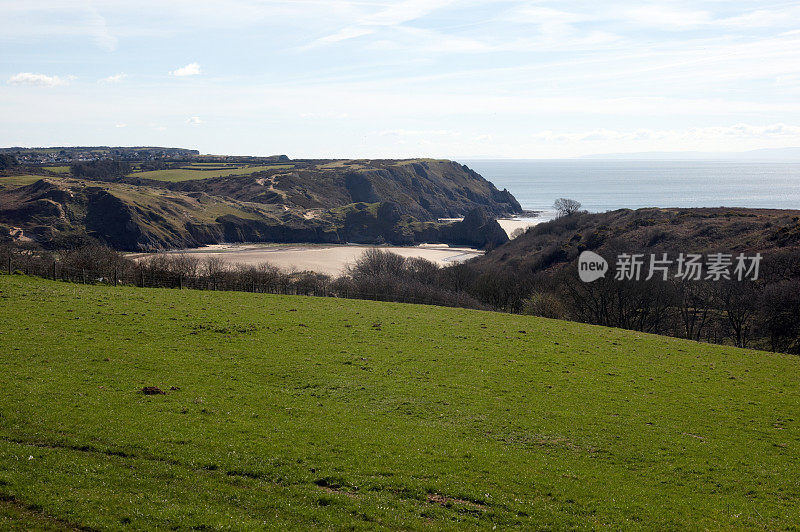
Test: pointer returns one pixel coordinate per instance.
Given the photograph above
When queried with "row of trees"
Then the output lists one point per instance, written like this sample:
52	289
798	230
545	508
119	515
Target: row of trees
745	314
763	314
101	169
7	161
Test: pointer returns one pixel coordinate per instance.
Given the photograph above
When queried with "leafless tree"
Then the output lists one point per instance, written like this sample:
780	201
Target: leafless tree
566	206
693	300
738	301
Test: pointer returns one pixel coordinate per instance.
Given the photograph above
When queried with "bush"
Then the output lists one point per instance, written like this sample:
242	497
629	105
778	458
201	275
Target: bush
546	305
7	161
103	169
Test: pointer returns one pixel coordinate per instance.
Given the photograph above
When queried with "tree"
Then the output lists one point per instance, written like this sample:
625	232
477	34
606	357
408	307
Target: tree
693	300
7	161
102	169
566	206
780	315
738	301
519	231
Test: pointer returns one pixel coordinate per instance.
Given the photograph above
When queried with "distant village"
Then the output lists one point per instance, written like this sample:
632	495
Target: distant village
69	155
63	156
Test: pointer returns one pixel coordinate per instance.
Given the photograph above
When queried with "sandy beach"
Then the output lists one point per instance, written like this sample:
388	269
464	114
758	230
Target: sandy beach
332	259
510	225
328	259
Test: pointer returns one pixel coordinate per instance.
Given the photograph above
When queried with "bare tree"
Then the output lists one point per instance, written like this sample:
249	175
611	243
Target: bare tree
738	301
566	206
213	266
780	315
693	300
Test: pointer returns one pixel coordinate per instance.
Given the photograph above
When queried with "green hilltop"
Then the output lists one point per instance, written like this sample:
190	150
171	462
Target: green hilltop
298	412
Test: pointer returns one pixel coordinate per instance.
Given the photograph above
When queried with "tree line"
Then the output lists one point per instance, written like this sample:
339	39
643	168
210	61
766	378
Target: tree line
764	314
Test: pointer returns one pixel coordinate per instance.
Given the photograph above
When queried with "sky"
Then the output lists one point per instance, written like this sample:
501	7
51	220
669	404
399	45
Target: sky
411	78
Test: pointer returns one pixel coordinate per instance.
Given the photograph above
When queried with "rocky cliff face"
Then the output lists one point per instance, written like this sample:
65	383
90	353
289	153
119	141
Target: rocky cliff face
397	202
426	189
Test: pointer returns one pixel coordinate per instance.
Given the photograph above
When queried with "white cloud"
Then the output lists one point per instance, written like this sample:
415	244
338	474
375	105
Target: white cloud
116	78
784	16
667	18
192	69
98	28
38	80
194	120
324	115
405	11
391	16
351	32
416	132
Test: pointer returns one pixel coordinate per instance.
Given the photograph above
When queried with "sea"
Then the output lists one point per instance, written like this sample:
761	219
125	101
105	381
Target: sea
602	185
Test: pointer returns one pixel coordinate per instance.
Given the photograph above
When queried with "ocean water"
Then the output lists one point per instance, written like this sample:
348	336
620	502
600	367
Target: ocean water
602	185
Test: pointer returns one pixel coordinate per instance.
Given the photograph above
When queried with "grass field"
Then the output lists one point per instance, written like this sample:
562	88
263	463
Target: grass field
286	411
58	169
188	174
15	181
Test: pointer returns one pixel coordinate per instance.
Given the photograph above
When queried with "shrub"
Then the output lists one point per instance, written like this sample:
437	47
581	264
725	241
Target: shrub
546	305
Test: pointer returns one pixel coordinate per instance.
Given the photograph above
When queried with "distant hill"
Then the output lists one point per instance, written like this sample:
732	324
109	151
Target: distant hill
557	243
766	154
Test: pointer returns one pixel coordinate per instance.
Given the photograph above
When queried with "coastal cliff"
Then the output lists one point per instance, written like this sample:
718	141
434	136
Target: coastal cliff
368	202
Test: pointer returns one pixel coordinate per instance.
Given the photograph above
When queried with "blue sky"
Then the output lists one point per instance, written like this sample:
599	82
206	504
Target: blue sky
439	78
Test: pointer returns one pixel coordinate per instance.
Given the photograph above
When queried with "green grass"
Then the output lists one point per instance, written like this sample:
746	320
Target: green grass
187	174
58	169
217	165
163	203
300	412
16	181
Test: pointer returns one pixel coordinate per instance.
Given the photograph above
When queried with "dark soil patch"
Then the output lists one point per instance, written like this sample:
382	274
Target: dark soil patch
438	498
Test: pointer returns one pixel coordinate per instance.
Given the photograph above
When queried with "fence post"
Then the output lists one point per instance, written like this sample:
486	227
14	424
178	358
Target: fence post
115	276
180	281
54	270
83	274
9	264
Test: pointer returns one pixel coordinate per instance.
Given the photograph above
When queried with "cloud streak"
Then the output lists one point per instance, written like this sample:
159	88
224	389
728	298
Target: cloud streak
115	78
38	80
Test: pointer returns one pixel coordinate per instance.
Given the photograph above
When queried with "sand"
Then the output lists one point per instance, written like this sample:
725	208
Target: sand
327	259
333	259
510	225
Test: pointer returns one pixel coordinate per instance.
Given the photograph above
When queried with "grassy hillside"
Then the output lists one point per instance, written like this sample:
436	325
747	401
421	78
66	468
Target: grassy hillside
17	180
290	411
203	171
650	230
